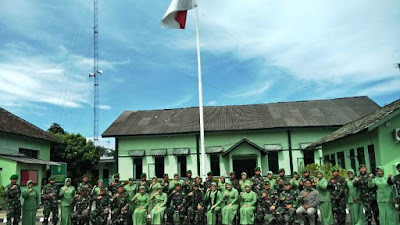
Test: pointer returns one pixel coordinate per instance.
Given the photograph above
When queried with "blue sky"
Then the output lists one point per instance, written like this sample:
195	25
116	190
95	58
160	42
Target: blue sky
255	51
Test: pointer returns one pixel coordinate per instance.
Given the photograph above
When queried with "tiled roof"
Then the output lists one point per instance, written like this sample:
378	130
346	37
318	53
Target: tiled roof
27	160
315	113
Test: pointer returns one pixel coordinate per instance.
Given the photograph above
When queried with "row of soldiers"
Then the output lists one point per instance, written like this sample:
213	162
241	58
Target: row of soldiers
257	200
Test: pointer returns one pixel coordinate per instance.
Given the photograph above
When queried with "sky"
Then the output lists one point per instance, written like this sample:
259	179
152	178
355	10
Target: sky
256	51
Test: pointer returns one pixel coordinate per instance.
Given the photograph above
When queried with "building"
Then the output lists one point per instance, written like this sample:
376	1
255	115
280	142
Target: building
105	169
237	138
24	150
372	140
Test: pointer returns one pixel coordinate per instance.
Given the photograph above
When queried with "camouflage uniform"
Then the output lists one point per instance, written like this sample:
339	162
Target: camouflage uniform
100	214
188	184
338	189
119	208
13	203
50	202
264	214
282	213
165	184
196	216
303	180
396	182
82	205
367	197
258	184
86	185
178	198
235	184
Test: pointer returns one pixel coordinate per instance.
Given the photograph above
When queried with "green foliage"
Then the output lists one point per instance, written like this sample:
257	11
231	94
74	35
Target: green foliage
56	128
327	167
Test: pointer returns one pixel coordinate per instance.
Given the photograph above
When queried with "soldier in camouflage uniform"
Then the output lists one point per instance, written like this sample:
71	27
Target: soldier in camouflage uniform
258	182
114	184
368	195
165	184
266	205
50	201
102	202
120	206
85	183
280	181
196	205
177	207
143	182
13	203
188	182
234	180
287	203
82	206
207	184
338	189
306	176
396	182
199	182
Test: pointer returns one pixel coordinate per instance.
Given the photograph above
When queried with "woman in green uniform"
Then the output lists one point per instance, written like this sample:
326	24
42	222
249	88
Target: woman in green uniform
96	190
325	198
213	201
353	199
221	184
270	178
295	182
157	214
67	194
248	200
152	191
244	181
31	204
231	199
141	201
385	198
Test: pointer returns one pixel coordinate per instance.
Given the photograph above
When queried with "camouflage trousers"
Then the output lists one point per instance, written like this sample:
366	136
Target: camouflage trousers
119	217
13	214
339	210
284	215
264	215
99	216
175	216
371	210
50	208
80	217
197	216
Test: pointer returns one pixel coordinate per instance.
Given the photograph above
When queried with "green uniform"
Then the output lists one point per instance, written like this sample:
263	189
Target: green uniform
165	186
385	196
368	198
354	201
231	200
248	202
86	185
187	184
131	189
119	208
196	215
50	202
99	215
96	191
258	184
221	186
396	185
207	185
265	202
272	182
81	213
13	204
31	204
213	198
283	213
141	202
325	200
152	191
295	183
157	214
177	208
338	191
67	194
243	184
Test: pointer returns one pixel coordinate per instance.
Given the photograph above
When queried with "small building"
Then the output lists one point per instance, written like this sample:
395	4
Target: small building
372	140
105	169
237	138
24	150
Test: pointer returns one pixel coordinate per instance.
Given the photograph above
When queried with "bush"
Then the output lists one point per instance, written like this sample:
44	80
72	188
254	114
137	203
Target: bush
327	167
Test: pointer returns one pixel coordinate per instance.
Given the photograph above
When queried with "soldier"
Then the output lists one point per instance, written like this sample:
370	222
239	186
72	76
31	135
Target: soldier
325	206
165	184
196	205
102	202
357	215
396	182
271	179
199	182
96	188
279	184
207	184
266	205
119	206
287	203
337	187
306	176
173	183
13	203
81	204
295	182
368	195
258	182
114	184
188	185
50	201
308	200
177	208
234	180
130	188
144	182
85	183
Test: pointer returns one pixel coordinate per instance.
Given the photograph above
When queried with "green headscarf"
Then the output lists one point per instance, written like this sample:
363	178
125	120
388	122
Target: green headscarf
382	169
351	171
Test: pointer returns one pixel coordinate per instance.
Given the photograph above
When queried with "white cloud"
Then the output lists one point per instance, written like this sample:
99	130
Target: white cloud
381	88
181	101
252	91
211	103
104	107
105	142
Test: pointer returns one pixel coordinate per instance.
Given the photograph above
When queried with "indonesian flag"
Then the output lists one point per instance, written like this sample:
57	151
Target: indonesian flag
175	17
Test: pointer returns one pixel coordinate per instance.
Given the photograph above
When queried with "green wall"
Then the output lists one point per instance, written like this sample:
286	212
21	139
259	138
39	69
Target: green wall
10	144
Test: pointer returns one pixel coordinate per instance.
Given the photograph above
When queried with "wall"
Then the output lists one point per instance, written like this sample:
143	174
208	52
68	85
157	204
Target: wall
41	174
10	144
108	165
389	148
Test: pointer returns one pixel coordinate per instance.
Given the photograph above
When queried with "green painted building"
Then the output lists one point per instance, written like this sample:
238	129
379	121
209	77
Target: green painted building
237	138
24	150
372	140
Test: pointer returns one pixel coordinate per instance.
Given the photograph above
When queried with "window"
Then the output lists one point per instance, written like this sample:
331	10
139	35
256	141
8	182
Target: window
326	159
308	157
273	162
340	159
333	160
29	153
360	155
352	159
29	175
214	164
138	167
182	166
371	154
159	166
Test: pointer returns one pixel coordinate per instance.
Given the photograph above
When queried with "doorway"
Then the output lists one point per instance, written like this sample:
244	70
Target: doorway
244	165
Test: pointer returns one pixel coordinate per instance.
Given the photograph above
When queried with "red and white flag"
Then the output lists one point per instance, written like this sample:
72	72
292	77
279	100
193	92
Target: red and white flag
175	17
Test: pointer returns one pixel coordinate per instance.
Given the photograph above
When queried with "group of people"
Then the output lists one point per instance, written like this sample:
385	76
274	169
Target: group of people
257	200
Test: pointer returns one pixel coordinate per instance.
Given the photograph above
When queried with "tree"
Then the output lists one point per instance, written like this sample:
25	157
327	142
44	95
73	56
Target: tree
56	128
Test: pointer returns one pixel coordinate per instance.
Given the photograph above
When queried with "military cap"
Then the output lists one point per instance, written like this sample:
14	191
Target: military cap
257	168
266	182
233	173
281	170
165	175
85	175
286	183
210	173
334	169
14	177
130	179
52	178
228	182
120	186
143	175
116	175
178	184
361	165
83	189
189	172
196	185
398	165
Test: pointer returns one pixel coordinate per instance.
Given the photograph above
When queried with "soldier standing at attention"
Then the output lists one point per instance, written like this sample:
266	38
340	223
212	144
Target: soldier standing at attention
337	187
367	195
13	204
50	201
258	181
131	189
85	183
67	194
270	178
102	202
81	203
396	182
120	206
188	185
287	204
234	180
207	184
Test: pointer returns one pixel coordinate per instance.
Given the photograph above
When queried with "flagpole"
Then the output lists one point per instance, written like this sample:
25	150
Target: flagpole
203	151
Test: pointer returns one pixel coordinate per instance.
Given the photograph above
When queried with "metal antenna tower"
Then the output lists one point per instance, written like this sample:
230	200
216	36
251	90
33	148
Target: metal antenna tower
96	72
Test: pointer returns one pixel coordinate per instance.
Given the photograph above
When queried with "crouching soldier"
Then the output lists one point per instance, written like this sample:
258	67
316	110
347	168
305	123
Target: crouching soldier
119	206
285	213
177	209
81	203
196	205
102	207
266	205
